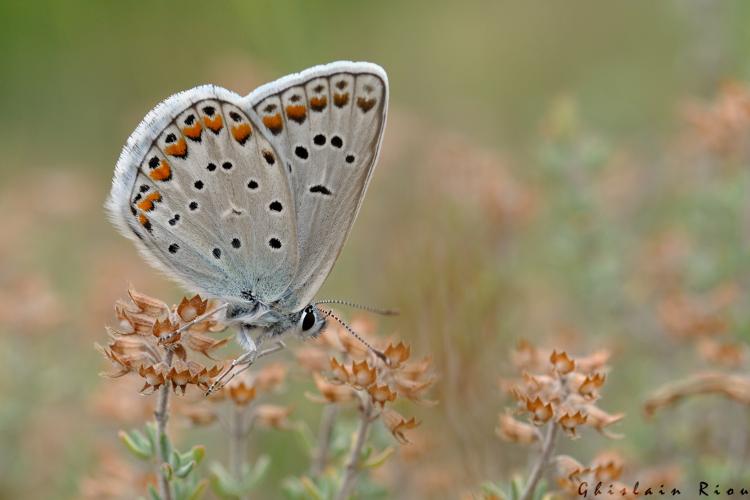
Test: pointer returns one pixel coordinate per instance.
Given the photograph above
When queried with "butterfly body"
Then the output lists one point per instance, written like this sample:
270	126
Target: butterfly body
250	199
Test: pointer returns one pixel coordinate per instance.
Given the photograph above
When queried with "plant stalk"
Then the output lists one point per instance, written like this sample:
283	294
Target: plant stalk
351	472
162	415
328	420
541	464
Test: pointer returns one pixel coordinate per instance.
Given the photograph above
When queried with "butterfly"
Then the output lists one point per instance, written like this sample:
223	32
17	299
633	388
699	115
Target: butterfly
250	199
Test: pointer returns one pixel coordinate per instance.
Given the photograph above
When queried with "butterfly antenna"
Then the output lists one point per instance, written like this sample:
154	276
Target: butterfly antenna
374	310
355	334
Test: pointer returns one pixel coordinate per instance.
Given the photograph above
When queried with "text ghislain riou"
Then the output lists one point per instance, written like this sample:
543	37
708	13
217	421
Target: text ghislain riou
702	488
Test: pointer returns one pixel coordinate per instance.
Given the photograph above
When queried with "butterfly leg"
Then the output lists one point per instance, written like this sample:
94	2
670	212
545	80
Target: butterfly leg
279	346
247	358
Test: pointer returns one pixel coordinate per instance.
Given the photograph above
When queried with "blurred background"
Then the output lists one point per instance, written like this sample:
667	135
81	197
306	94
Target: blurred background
573	174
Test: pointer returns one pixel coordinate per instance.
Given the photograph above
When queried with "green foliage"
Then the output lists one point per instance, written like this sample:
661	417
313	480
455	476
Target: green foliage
224	485
514	489
180	469
326	485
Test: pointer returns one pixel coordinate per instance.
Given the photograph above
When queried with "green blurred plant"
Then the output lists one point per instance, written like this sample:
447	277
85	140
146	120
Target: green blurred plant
179	469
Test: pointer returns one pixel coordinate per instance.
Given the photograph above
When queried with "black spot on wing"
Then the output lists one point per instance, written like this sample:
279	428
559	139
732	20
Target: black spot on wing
320	189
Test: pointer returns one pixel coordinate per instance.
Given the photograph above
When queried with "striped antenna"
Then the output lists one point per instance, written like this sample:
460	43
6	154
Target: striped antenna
355	334
374	310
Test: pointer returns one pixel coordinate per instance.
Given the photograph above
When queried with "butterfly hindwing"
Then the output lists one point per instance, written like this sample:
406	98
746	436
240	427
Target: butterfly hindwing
206	199
328	123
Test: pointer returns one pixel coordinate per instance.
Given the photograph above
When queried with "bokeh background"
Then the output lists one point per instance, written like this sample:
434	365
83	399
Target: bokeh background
570	173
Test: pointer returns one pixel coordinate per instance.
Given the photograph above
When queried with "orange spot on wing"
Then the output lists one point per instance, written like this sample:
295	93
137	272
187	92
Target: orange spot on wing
274	123
193	132
340	100
365	104
241	132
144	221
161	173
178	149
318	103
214	124
296	112
147	204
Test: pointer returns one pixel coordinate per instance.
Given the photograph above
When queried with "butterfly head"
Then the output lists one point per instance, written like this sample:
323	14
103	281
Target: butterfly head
311	322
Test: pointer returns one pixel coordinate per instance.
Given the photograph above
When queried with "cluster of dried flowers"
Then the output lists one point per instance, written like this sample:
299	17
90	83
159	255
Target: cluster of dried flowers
555	388
150	334
344	370
604	477
244	393
704	322
158	343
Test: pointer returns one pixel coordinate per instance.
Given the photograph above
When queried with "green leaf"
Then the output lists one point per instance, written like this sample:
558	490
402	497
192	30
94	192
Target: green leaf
293	489
153	493
137	444
167	470
516	487
222	483
256	474
379	458
493	489
183	471
199	490
541	490
175	460
198	453
311	488
151	434
166	445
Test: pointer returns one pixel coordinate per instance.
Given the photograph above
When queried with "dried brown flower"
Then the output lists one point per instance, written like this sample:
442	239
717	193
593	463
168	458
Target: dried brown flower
381	394
241	393
331	393
561	362
273	416
397	424
510	429
148	329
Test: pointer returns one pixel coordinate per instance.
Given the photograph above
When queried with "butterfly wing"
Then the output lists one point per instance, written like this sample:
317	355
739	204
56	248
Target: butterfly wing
328	123
205	198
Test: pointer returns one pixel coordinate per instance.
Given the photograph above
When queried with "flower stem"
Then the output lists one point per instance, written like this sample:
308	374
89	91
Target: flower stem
241	422
327	422
541	464
352	464
237	442
162	415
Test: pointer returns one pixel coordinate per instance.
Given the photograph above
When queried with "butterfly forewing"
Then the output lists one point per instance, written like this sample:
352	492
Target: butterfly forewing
209	201
253	197
328	123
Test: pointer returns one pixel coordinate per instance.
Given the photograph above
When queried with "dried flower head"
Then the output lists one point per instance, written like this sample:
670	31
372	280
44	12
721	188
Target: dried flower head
330	393
540	412
510	429
397	424
149	329
381	394
565	393
242	393
273	416
270	377
561	362
397	354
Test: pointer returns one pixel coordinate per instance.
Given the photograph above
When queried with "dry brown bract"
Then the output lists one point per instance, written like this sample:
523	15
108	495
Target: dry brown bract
354	373
735	387
147	329
563	390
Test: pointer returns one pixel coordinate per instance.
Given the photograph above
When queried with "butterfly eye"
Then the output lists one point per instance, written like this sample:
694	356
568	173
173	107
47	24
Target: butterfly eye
308	321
